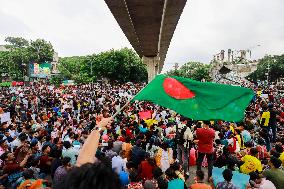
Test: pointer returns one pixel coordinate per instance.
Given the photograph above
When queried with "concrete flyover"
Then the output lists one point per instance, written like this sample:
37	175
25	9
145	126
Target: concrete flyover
149	26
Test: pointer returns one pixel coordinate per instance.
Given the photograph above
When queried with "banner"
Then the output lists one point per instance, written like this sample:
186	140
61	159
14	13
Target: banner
145	115
239	180
16	83
40	70
5	84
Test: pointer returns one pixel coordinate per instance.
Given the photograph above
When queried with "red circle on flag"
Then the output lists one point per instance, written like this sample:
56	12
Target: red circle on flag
176	89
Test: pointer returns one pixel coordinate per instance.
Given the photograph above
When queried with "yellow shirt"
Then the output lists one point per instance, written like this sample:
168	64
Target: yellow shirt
232	128
266	116
242	146
282	157
251	164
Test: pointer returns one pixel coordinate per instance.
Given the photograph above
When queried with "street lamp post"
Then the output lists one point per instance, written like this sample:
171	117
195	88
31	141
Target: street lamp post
267	74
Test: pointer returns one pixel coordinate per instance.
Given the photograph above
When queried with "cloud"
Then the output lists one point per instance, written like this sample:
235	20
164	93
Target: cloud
11	25
206	27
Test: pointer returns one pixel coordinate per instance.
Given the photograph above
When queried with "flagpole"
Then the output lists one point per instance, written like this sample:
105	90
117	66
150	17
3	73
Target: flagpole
122	108
128	102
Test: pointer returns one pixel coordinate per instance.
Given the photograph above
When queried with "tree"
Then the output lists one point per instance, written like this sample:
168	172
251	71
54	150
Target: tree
17	56
41	51
193	70
276	69
56	80
21	52
117	65
16	42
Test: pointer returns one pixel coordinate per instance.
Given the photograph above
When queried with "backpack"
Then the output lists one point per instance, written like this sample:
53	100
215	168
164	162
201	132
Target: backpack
179	135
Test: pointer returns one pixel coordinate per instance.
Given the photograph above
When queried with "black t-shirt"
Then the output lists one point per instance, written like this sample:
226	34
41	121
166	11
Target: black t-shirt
272	120
54	165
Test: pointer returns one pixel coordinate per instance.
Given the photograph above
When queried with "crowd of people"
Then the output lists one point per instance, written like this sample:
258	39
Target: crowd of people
67	137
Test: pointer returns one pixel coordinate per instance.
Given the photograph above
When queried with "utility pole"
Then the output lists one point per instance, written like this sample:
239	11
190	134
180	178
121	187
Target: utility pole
92	72
176	66
268	68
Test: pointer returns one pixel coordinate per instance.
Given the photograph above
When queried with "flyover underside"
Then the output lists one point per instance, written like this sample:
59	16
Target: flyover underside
173	11
149	25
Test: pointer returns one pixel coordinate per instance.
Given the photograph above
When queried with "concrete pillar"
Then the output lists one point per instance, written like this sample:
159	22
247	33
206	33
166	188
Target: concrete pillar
152	66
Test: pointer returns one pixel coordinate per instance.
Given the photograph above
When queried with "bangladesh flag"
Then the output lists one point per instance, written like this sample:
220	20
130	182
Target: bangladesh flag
197	100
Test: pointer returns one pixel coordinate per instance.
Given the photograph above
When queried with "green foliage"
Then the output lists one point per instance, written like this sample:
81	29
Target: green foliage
21	52
193	70
121	65
56	80
40	51
75	68
276	71
16	42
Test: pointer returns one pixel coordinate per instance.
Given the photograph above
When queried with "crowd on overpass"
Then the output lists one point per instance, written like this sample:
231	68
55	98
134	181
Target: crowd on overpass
65	137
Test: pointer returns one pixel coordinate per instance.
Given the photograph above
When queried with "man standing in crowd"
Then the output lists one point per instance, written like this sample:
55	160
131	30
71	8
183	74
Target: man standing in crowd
205	137
184	138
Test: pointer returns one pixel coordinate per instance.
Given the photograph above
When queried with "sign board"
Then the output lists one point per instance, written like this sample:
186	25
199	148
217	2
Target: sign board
68	82
264	96
40	70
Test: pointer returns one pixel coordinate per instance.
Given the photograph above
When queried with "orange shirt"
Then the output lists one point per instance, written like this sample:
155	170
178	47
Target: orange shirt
127	147
200	186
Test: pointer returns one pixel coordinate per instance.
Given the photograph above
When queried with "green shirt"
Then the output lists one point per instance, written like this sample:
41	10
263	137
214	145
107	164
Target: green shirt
276	176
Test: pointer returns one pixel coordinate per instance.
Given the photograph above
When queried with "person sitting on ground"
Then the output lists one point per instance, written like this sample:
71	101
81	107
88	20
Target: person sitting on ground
134	181
151	184
199	184
158	176
138	153
11	167
174	181
126	146
226	159
262	183
251	163
178	170
227	184
29	181
164	157
146	167
69	151
61	171
275	175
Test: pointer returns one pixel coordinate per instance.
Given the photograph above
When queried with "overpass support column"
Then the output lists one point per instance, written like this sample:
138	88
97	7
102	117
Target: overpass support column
152	64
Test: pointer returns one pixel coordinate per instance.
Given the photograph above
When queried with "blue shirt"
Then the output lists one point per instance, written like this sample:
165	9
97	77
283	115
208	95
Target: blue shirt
246	136
176	184
143	130
123	177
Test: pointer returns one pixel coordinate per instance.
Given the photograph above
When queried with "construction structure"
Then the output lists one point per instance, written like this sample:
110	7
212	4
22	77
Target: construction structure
233	66
149	26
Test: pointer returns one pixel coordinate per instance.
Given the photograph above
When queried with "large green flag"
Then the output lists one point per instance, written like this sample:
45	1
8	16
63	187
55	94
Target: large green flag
197	100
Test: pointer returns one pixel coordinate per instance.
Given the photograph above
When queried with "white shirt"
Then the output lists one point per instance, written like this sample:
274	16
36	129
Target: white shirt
15	143
165	159
118	164
266	184
187	136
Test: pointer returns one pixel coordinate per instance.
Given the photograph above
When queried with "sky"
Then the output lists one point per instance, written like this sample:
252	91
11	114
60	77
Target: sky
204	29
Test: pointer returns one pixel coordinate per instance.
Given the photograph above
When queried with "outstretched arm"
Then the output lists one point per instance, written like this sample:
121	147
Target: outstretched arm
89	149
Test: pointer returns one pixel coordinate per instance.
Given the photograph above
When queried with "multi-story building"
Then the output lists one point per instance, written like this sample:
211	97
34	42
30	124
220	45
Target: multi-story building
234	66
